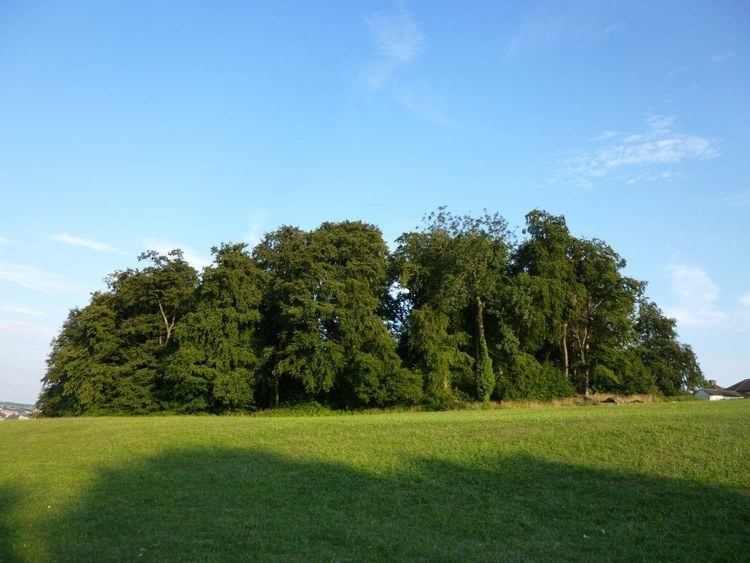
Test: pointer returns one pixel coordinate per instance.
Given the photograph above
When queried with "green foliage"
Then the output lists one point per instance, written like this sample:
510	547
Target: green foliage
453	268
323	316
437	354
400	386
621	371
578	300
215	364
149	304
527	379
458	311
109	355
485	374
672	365
545	286
84	366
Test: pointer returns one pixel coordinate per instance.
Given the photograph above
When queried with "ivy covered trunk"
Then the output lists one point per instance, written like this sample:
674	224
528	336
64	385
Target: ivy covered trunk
484	372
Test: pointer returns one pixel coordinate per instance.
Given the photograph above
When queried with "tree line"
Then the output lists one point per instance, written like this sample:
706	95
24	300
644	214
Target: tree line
461	310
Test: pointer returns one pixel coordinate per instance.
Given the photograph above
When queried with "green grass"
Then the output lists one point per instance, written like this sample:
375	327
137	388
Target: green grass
628	482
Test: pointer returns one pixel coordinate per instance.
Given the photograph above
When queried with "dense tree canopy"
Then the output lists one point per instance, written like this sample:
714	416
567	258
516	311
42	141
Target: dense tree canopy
216	362
460	310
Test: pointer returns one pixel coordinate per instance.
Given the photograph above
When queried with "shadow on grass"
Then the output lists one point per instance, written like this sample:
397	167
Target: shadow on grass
220	504
9	499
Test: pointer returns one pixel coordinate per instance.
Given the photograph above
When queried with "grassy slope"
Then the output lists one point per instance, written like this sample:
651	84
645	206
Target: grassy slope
651	481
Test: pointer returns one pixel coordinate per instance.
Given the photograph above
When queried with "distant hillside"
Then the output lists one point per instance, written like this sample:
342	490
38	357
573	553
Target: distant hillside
16	406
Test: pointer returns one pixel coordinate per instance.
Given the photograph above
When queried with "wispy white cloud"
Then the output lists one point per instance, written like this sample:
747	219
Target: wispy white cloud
196	259
398	41
606	135
745	299
23	327
551	24
678	70
256	231
66	238
4	240
35	278
696	297
634	157
720	57
425	103
19	309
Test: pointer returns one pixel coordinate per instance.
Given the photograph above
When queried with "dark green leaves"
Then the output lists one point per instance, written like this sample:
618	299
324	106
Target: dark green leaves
459	310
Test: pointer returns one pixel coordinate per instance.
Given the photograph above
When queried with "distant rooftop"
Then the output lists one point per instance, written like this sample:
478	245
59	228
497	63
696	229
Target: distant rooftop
721	392
741	387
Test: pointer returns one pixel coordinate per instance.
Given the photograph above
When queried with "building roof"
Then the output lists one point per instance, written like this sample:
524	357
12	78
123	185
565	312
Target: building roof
741	387
721	392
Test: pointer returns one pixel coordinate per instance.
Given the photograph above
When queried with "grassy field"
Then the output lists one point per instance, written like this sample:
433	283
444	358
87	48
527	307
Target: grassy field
625	482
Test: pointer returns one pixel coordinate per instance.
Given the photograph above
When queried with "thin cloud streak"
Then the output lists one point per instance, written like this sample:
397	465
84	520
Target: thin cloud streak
696	297
398	41
554	24
424	103
36	279
255	233
18	309
726	55
73	240
23	327
678	70
634	157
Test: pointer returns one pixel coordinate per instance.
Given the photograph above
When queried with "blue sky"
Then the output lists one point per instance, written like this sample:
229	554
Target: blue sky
134	125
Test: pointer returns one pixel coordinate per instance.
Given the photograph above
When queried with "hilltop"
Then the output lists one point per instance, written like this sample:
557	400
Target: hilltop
661	481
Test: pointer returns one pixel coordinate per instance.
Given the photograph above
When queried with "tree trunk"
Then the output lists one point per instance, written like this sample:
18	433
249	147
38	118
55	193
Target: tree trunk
566	359
167	325
480	330
586	389
276	391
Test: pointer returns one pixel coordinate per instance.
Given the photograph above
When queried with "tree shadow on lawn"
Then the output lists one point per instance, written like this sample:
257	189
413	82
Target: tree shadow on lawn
224	504
9	499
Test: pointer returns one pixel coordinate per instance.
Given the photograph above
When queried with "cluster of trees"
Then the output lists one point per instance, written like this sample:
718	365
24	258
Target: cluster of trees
459	311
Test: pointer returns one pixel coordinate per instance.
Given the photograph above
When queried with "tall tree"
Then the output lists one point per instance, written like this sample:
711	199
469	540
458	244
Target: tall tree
149	303
295	349
218	354
429	347
601	304
578	297
109	355
454	266
85	363
457	310
673	366
546	282
324	315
